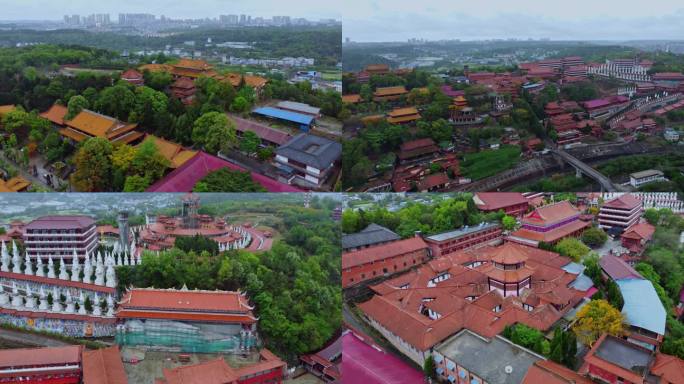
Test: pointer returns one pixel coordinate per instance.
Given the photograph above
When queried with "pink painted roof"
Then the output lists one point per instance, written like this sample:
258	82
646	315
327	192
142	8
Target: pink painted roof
597	103
364	363
448	91
263	131
184	178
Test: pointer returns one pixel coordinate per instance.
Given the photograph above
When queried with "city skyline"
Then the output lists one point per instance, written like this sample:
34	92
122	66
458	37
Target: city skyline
201	9
396	21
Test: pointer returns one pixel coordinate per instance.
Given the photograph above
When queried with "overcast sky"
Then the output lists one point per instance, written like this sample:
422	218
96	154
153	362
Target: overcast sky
55	9
398	20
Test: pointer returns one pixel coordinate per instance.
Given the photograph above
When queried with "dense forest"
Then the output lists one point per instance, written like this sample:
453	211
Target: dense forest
295	286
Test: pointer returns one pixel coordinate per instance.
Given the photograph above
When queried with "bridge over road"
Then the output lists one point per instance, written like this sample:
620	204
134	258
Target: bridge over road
581	167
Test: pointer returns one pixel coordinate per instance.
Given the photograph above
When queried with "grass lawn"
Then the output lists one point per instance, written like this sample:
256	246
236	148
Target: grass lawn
331	76
490	162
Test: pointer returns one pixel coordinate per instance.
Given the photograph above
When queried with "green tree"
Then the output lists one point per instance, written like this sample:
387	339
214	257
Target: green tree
594	237
117	101
75	106
148	161
136	183
93	166
214	131
227	180
572	248
508	222
429	369
239	105
249	143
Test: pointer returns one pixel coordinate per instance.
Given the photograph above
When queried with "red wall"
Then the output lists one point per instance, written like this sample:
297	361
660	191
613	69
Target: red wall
394	264
273	377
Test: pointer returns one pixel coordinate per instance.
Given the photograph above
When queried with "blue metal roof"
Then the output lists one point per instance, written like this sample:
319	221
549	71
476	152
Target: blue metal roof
642	307
294	117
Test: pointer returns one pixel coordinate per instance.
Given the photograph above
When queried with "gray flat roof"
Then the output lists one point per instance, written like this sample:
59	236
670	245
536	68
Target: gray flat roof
300	107
372	234
489	358
461	231
646	173
625	355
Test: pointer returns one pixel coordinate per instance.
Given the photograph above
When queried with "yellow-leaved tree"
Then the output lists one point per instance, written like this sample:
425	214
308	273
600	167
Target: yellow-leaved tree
595	319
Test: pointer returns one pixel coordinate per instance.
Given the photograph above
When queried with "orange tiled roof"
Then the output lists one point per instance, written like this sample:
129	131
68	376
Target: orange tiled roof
548	372
103	366
398	304
185	300
250	80
497	200
128	138
670	369
509	254
640	231
211	372
403	112
351	99
199	65
384	251
55	114
551	213
389	91
15	184
156	67
97	125
174	153
6	108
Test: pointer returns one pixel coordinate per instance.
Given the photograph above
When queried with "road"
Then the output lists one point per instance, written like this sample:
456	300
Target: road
28	175
30	339
605	182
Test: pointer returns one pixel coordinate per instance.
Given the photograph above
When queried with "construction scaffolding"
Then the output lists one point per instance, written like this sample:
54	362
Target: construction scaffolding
178	336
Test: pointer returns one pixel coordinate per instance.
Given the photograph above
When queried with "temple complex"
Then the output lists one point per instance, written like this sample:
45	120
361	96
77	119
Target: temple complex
480	289
550	224
162	232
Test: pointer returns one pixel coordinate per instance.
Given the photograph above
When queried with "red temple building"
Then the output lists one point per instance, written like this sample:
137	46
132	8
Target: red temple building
132	76
377	69
325	364
163	232
184	90
550	224
382	260
621	212
605	107
637	236
403	115
186	320
416	149
512	203
614	360
57	365
389	93
60	236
